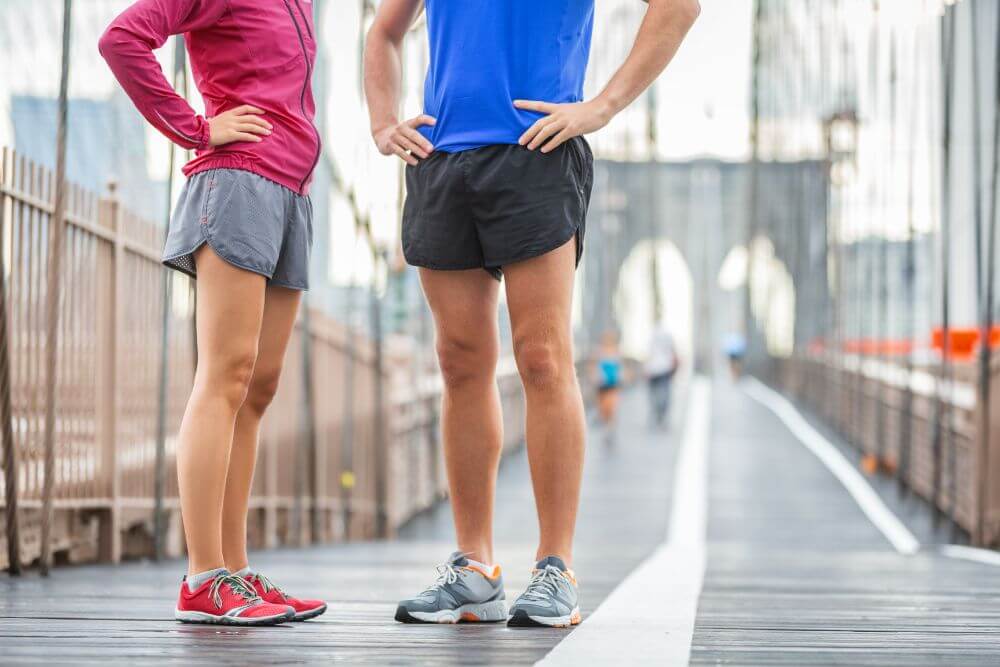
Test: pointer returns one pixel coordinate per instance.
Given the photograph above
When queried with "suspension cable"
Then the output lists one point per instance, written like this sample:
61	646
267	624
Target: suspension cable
987	309
948	43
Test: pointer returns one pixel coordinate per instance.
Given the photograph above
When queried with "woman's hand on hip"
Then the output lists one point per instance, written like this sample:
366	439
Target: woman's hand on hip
244	123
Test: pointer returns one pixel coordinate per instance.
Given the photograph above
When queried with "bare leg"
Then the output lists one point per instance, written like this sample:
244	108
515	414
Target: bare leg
540	296
280	308
230	306
464	304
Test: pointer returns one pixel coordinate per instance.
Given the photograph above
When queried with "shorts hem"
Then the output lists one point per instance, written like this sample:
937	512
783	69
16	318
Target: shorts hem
170	261
544	250
291	286
434	266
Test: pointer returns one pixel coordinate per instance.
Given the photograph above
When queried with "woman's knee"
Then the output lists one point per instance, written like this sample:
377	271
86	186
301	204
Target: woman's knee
262	390
229	375
466	359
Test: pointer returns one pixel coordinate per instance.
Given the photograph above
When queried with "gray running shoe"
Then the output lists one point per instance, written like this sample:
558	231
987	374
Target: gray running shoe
551	598
462	592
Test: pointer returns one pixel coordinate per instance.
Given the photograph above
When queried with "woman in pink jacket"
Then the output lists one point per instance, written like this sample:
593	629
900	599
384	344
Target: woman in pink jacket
243	227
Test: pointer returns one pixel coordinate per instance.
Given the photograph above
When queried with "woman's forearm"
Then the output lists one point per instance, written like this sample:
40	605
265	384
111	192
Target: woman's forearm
127	46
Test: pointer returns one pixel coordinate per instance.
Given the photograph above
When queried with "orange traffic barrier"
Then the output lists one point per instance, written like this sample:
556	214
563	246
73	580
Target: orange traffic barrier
962	342
875	346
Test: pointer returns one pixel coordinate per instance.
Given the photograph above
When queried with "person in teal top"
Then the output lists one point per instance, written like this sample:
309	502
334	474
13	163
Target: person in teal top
611	372
498	182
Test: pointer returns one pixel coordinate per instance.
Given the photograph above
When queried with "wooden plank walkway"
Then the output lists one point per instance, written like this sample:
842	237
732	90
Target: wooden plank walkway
796	574
101	614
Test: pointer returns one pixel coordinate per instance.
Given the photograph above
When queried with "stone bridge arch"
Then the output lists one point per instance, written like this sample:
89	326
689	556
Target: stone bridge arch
702	209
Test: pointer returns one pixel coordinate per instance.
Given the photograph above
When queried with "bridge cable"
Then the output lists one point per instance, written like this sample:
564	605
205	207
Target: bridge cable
985	361
909	272
163	383
977	215
948	53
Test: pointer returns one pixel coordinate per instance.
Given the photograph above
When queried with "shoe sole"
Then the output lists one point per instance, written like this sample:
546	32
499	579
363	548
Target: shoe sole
312	613
487	612
521	619
201	618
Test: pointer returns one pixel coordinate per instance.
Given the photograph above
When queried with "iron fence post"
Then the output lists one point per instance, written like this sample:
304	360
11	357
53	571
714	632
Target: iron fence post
53	293
10	470
309	459
159	472
379	432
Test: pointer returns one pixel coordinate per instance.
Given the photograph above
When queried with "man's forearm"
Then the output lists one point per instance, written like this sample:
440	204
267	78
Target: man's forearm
383	79
660	35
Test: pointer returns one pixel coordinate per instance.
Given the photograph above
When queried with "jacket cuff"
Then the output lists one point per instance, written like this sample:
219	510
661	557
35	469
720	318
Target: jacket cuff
204	134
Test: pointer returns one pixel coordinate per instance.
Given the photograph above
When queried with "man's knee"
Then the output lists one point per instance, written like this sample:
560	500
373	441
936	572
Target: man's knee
543	361
464	359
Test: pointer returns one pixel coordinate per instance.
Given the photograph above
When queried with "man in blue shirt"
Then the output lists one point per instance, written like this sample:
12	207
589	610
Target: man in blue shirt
498	183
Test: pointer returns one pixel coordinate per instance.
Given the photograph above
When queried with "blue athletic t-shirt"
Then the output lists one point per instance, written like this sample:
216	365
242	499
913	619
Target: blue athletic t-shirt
484	54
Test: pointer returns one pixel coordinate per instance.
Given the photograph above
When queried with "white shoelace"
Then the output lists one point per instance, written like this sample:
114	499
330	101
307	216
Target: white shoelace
447	574
266	584
544	584
237	585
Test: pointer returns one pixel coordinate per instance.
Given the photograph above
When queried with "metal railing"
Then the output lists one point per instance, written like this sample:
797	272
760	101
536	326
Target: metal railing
911	423
319	478
881	311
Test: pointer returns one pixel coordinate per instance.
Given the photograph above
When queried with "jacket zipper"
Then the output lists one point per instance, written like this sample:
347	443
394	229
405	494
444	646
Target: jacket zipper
304	21
305	85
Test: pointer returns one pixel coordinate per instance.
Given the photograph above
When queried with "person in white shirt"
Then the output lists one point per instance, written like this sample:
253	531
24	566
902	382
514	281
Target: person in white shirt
661	366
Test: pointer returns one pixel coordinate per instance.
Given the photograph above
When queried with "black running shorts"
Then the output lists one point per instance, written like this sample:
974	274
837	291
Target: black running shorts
489	207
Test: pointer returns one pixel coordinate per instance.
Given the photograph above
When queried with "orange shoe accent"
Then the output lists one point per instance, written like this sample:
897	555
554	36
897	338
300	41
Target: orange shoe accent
469	616
575	618
489	575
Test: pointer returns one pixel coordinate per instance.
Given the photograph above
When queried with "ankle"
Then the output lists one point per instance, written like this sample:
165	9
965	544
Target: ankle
198	578
565	555
480	553
237	564
199	567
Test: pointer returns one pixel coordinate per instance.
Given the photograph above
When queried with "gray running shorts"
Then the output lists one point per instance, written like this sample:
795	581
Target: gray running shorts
249	221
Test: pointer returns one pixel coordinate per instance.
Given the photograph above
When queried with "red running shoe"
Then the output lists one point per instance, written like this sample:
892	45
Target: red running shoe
228	600
304	609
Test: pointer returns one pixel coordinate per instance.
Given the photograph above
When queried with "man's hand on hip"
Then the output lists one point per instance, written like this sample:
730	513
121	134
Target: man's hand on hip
562	122
404	141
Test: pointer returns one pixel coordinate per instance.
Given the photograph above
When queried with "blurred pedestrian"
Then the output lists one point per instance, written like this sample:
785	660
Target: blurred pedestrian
735	347
608	369
662	363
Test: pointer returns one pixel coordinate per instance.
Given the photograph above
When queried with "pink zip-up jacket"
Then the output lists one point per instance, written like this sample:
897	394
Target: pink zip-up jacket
258	52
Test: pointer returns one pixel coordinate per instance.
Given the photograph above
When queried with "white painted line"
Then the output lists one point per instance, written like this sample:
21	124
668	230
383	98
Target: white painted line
974	554
649	618
871	504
